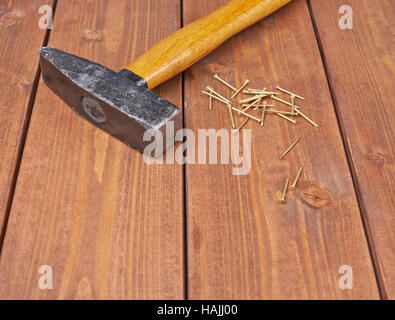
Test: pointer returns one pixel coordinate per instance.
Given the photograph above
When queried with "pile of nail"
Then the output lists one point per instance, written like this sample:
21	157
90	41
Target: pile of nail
257	101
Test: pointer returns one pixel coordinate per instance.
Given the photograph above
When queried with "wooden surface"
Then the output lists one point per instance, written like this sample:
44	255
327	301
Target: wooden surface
191	43
363	83
112	226
85	203
242	242
20	39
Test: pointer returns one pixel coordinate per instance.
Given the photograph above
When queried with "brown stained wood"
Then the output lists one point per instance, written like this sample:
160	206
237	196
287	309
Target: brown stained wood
20	39
242	242
193	42
86	204
361	65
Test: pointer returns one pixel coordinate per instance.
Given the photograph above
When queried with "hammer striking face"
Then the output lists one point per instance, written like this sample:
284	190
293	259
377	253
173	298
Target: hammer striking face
119	103
122	103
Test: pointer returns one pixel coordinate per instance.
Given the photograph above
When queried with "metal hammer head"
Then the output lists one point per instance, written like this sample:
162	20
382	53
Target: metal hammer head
119	103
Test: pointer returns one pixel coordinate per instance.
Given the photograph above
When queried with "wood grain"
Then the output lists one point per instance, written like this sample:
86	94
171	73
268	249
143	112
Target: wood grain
20	38
108	224
242	242
193	42
361	65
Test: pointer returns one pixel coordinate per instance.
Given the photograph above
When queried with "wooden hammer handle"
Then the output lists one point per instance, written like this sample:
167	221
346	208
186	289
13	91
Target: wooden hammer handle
183	48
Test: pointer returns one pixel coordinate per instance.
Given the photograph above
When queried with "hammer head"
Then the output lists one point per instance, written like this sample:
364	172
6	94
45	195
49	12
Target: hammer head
119	103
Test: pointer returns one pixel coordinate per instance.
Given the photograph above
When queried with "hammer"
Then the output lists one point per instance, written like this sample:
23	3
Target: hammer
122	103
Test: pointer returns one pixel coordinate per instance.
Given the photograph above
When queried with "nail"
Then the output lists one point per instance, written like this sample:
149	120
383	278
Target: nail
215	97
210	103
290	93
283	101
231	116
285	190
309	120
279	111
247	100
289	148
241	88
250	89
224	82
250	105
259	92
263	113
293	186
261	106
216	93
246	114
286	118
241	126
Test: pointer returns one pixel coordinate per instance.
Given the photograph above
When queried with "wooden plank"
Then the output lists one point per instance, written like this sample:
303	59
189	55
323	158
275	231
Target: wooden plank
108	224
242	242
360	65
20	38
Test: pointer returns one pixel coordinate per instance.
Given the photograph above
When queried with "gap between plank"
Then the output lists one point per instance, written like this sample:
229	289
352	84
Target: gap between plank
184	176
25	127
369	238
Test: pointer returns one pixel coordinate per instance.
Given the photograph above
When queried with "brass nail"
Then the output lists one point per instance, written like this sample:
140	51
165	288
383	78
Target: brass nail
261	106
239	114
210	103
290	93
241	88
259	102
286	118
231	116
246	114
215	97
247	100
260	92
224	82
283	101
293	104
250	89
263	113
216	93
242	125
289	148
304	116
251	104
279	111
293	186
285	190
